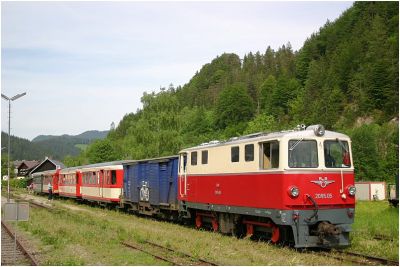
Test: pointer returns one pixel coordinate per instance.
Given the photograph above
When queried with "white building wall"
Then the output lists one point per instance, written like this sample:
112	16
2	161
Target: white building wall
378	189
363	191
367	190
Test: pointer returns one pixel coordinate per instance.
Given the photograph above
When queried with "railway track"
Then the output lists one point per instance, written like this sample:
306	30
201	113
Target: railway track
39	205
383	237
171	256
370	260
8	246
358	258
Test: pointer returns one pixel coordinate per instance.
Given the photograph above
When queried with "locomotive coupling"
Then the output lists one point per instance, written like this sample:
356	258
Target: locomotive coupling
328	229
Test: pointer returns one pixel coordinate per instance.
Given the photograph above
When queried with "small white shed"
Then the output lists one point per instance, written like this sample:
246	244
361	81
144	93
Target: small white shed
371	190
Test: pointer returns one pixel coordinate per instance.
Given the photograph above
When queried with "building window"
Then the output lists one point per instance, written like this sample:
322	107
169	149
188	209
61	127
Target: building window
193	158
235	154
249	152
204	157
270	155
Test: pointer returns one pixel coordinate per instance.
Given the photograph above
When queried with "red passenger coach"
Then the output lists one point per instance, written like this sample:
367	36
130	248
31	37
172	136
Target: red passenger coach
70	182
52	177
41	181
295	186
103	182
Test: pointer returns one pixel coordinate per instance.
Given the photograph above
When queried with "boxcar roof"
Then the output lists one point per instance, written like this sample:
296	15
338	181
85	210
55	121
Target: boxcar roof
150	159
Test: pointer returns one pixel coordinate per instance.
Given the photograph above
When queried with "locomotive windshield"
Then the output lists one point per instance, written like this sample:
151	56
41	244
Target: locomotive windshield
303	154
336	154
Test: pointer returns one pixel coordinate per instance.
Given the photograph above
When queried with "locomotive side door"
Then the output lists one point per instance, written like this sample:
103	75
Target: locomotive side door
183	174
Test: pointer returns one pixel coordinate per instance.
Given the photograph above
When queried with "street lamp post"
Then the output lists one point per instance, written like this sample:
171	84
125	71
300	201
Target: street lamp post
9	136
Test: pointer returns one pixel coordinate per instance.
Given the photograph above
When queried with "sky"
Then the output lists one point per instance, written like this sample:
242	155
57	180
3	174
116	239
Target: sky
84	65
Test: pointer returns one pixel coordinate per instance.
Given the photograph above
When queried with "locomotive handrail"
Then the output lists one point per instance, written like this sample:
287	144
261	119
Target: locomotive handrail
315	206
341	177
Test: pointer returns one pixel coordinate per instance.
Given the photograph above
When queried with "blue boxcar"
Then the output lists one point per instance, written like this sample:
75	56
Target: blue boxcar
151	186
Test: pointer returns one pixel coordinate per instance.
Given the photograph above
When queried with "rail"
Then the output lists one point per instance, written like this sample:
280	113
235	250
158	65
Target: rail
8	258
353	257
169	255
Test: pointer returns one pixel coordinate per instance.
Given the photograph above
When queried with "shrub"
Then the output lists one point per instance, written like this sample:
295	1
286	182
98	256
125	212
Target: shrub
16	183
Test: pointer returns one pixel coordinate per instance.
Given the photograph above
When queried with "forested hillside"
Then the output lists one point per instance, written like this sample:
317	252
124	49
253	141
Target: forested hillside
344	77
22	149
56	147
83	138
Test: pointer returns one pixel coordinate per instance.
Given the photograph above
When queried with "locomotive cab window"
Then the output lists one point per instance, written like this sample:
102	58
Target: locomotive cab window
193	158
303	154
249	152
204	157
336	153
235	154
270	155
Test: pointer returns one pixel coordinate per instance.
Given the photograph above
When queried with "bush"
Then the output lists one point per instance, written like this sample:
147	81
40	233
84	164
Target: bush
16	183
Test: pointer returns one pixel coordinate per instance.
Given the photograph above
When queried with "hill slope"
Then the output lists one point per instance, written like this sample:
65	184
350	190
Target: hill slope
57	147
85	137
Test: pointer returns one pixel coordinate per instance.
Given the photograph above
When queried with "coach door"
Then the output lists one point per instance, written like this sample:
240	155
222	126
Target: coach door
183	174
100	182
77	184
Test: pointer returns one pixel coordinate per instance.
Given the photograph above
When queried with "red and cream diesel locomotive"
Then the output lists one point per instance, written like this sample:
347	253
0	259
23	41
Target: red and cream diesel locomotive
295	186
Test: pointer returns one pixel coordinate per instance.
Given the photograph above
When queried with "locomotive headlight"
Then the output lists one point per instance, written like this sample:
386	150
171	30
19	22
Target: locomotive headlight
294	191
352	190
319	130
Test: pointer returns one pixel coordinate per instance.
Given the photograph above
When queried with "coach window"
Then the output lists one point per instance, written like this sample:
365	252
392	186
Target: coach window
270	155
303	154
204	157
249	152
113	177
235	154
193	158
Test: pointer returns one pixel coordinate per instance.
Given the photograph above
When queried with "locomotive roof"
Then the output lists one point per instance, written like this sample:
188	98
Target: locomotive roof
263	136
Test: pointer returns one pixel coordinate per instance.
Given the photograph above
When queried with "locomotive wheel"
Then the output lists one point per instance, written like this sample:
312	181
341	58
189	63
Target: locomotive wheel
275	234
214	223
198	221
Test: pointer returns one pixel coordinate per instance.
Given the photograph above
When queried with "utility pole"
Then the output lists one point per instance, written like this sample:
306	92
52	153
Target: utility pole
9	136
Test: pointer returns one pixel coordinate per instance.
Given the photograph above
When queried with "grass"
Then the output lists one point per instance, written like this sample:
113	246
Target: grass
81	235
80	238
376	218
